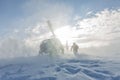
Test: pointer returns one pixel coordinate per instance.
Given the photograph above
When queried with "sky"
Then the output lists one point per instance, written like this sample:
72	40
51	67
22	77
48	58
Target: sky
94	22
14	10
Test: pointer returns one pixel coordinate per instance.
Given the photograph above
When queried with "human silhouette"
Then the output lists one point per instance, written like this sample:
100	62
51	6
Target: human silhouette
74	48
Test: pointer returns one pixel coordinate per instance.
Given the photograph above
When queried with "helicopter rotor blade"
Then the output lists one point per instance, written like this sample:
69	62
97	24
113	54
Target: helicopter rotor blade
50	27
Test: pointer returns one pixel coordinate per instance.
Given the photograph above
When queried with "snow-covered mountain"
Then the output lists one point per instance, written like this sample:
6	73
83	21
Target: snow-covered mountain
46	67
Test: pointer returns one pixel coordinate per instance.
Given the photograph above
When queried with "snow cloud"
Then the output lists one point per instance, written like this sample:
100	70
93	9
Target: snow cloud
97	33
101	32
39	11
12	47
24	40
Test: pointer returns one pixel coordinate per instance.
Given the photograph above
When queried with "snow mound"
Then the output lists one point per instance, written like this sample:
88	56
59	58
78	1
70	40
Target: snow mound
51	68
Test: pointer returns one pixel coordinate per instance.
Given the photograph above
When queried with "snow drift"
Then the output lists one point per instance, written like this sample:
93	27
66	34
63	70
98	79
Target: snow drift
56	68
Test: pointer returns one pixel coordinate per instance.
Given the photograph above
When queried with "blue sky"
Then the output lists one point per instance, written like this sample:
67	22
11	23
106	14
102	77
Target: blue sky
81	7
12	11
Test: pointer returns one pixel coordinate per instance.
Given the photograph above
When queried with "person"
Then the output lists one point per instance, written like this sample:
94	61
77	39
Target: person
67	47
74	48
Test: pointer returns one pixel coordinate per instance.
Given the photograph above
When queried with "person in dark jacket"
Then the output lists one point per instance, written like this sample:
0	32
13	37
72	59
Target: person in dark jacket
74	48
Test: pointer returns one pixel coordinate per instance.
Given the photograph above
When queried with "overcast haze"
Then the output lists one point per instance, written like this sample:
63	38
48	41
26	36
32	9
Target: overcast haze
93	24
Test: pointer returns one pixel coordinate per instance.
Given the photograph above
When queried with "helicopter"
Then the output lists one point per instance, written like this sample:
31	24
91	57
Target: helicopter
52	45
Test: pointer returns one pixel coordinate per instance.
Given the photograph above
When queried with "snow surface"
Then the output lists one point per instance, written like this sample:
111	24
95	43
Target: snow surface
43	67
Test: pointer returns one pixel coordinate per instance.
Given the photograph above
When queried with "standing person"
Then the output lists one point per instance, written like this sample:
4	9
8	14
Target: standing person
74	48
67	47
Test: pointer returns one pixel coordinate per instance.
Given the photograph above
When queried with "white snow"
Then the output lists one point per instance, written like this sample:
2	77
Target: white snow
44	67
